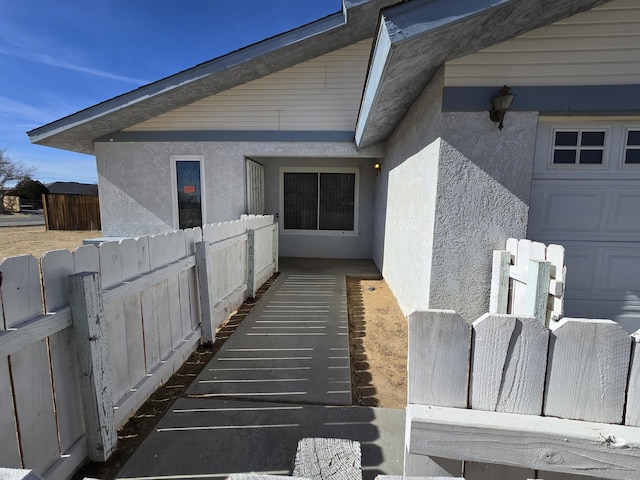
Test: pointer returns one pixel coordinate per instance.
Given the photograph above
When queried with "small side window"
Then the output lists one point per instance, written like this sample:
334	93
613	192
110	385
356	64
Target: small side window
632	148
578	147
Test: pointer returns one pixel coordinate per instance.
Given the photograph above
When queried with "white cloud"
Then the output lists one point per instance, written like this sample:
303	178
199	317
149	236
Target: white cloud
60	63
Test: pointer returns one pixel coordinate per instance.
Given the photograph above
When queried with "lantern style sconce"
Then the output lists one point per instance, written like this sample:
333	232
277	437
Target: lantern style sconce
501	105
377	167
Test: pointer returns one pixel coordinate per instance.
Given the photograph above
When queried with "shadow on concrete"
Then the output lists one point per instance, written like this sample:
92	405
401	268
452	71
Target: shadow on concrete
207	438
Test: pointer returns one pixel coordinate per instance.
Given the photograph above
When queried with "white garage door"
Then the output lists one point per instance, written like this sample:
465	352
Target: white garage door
586	197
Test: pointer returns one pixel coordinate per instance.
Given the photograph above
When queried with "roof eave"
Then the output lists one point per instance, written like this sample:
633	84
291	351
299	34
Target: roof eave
78	131
416	38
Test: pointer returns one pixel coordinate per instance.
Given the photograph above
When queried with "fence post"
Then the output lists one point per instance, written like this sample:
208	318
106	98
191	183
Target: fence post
499	296
92	351
204	284
251	261
276	253
538	290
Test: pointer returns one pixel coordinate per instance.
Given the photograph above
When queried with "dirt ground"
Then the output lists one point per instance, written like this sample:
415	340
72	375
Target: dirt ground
37	240
378	342
377	337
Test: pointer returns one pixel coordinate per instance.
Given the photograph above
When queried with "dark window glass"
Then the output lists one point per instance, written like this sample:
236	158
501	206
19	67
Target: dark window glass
301	201
592	139
591	157
633	137
564	156
566	139
189	194
319	201
337	198
632	157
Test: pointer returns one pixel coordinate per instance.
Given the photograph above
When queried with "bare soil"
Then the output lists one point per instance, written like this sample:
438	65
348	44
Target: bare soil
38	240
377	338
378	345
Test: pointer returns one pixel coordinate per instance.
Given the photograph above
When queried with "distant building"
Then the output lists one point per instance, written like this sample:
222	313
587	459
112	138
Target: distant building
73	188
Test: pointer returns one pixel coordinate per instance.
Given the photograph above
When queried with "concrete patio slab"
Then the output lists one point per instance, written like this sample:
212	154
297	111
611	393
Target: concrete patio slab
210	438
283	375
294	344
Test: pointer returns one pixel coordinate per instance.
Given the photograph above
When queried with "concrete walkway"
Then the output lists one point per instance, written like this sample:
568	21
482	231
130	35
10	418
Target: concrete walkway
282	376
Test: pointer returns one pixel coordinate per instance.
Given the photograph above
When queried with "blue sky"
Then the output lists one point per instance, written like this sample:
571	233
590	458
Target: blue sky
60	56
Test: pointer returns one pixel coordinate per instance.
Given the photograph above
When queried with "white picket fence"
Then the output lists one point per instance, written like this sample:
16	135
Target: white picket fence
508	391
233	263
86	337
528	278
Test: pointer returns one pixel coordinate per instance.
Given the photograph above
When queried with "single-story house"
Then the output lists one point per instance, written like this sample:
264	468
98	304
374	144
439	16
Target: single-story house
73	188
368	134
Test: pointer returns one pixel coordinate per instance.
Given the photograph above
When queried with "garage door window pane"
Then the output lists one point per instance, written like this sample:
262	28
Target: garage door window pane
564	157
632	151
591	157
633	138
592	139
566	139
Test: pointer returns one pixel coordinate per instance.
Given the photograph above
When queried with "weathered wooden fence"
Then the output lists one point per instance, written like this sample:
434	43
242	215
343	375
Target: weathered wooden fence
506	390
71	212
528	279
86	337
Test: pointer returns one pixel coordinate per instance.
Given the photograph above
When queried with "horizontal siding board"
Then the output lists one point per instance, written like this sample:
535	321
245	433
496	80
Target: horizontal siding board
320	94
627	57
601	46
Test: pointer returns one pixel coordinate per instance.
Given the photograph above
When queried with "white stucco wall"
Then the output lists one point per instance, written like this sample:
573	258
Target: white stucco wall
483	186
136	180
410	223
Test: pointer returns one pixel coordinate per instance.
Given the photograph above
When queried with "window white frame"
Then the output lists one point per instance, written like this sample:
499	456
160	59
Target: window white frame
577	148
319	170
624	147
174	180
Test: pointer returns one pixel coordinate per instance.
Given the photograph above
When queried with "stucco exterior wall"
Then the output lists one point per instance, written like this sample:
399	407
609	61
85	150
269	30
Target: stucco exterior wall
483	186
410	222
136	178
325	245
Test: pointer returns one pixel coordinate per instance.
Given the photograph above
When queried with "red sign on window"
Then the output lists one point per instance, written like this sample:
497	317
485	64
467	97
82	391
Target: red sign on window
189	189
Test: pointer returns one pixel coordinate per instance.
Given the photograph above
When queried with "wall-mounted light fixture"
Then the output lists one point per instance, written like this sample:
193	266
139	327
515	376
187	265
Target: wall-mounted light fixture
501	105
377	167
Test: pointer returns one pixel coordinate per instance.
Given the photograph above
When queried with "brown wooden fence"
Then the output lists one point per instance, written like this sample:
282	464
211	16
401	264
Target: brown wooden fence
71	212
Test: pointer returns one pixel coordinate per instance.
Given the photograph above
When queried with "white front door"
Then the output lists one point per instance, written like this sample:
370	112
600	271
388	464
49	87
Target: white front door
586	197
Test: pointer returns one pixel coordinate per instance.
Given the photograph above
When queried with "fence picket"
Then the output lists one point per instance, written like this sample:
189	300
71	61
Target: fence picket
21	300
9	448
446	380
537	290
521	261
499	297
192	236
555	255
633	398
86	259
588	370
93	362
111	273
157	258
56	268
508	365
175	250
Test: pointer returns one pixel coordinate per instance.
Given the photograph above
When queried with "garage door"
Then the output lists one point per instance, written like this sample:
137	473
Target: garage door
586	197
